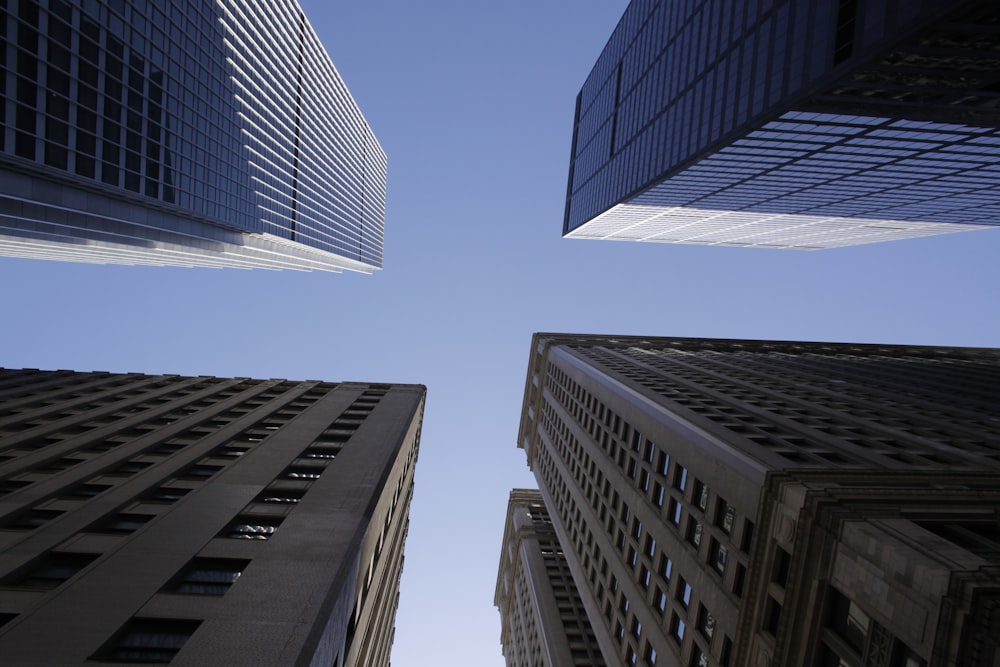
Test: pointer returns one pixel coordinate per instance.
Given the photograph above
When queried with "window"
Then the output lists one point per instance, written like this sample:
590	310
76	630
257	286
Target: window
644	577
657	494
694	532
51	570
718	556
680	477
706	623
128	468
650	656
148	640
677	628
847	620
666	568
700	494
84	491
724	515
207	576
121	524
302	472
772	616
246	527
779	571
166	494
739	579
675	512
277	495
747	542
683	592
698	658
199	471
660	600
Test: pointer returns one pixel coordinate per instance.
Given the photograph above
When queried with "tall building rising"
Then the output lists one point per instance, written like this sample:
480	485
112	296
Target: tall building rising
543	622
791	124
727	502
201	520
187	132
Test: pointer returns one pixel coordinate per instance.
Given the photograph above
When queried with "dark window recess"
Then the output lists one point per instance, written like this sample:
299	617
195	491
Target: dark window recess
121	524
229	451
302	472
166	494
12	485
320	452
207	576
84	491
747	542
165	449
199	471
739	580
246	527
147	640
772	616
843	45
129	468
286	496
50	570
31	519
779	572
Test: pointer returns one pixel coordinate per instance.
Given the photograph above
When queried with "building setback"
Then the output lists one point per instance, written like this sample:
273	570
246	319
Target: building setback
202	520
184	132
732	502
543	622
789	124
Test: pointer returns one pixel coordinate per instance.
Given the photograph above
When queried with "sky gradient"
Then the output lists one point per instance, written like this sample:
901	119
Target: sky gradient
473	103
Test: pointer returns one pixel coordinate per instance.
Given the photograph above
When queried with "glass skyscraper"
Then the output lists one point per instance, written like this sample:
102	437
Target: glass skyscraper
188	132
789	123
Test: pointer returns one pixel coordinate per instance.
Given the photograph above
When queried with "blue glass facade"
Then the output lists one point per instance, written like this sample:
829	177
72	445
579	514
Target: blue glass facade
788	123
183	132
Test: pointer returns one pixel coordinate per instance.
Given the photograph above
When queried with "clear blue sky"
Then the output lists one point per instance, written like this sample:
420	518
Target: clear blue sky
473	102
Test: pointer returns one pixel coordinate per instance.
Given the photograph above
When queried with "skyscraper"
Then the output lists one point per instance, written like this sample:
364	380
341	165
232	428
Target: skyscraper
188	132
201	520
791	124
543	622
728	502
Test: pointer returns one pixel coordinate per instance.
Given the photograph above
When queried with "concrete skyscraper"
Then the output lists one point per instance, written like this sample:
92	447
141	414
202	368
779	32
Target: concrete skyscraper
543	620
730	502
789	124
184	132
201	520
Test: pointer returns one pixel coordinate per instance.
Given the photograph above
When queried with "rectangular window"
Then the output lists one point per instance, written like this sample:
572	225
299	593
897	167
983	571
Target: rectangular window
724	515
121	524
677	628
779	571
166	494
51	570
302	472
207	576
148	640
700	495
675	512
694	532
706	623
247	527
658	493
680	477
683	592
718	556
280	496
